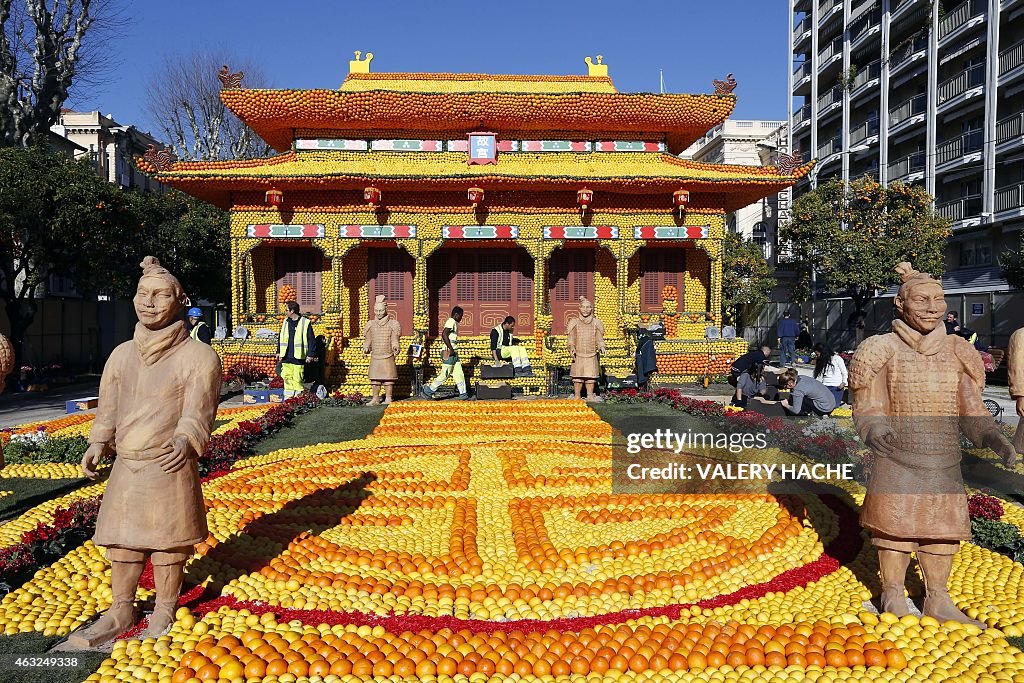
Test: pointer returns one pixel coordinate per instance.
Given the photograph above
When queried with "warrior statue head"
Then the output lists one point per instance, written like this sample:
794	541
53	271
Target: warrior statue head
920	302
380	307
159	298
586	308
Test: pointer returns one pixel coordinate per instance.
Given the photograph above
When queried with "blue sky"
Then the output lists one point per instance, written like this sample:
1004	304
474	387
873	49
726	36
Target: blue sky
307	43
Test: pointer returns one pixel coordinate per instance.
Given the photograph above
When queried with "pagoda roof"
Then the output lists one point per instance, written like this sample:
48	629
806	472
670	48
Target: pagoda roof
619	172
379	104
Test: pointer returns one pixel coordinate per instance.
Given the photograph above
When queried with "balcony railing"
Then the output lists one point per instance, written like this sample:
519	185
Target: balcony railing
1009	197
918	104
971	141
873	18
901	168
801	71
802	28
869	72
904	51
959	209
831	97
960	15
961	83
825	7
1011	58
830	147
1010	127
832	49
802	114
864	131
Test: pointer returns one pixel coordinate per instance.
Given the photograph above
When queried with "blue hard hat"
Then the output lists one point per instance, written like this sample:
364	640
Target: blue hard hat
195	312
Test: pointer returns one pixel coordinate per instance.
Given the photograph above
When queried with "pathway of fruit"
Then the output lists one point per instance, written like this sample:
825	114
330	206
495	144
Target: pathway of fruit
483	540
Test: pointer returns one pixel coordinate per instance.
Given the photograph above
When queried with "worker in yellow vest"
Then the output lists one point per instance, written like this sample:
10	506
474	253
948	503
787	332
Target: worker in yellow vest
503	347
198	329
295	348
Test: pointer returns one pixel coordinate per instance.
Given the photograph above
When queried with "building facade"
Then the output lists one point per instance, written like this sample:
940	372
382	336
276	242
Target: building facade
919	91
111	146
505	195
749	143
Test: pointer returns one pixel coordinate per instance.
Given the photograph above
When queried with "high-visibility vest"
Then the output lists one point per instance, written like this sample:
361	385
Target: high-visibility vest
501	338
299	343
195	330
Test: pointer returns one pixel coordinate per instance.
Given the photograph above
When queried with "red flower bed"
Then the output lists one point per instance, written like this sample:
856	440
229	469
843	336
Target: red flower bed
981	506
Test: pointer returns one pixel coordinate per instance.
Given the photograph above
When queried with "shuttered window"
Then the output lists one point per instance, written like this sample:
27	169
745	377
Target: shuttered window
572	271
660	267
302	269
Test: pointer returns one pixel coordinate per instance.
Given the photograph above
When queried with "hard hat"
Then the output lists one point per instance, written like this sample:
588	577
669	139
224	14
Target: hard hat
195	312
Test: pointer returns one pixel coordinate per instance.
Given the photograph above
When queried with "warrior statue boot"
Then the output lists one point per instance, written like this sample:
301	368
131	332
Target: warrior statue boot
388	391
375	390
892	566
937	603
124	578
167	579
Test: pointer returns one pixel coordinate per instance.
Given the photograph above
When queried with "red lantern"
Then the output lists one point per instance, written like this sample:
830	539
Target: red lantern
274	197
372	195
475	196
584	198
680	198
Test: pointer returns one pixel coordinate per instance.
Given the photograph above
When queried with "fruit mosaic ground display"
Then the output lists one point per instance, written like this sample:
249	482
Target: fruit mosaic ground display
484	542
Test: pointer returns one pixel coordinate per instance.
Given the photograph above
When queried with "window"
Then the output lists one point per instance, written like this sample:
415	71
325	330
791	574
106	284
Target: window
301	269
660	267
975	253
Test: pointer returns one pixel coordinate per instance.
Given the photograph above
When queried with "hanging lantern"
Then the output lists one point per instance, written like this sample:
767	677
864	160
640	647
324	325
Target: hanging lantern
475	195
680	198
274	197
372	195
584	198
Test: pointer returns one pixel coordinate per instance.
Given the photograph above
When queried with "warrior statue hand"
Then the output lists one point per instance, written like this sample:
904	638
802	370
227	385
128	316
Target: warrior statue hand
881	439
92	458
1020	406
176	452
999	445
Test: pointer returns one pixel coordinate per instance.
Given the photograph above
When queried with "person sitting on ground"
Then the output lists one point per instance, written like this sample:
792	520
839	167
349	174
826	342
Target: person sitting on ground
749	384
503	347
743	365
830	370
809	396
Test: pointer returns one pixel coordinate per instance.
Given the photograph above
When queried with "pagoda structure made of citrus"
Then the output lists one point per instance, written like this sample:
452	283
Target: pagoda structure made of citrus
503	194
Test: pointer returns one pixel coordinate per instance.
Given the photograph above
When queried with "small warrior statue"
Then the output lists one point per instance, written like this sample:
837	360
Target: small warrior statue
158	400
915	389
1015	363
586	341
381	340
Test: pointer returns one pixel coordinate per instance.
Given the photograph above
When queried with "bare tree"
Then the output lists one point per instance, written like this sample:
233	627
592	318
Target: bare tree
46	47
183	100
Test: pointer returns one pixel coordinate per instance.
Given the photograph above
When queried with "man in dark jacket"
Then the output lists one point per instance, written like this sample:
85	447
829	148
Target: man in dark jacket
788	331
646	359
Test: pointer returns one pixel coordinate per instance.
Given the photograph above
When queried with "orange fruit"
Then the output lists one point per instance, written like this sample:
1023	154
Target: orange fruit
256	668
210	672
855	658
232	670
836	658
182	674
895	659
298	668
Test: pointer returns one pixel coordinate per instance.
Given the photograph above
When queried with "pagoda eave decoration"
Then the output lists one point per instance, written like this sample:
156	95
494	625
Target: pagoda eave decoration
275	115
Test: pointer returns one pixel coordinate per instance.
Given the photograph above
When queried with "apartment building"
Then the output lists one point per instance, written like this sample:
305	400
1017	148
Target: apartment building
919	91
749	143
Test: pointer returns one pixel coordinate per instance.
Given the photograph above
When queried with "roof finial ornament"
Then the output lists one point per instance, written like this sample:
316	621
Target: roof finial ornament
596	69
724	87
160	159
788	163
359	65
229	80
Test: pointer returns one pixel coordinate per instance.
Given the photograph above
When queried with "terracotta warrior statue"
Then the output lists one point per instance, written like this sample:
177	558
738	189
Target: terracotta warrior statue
381	339
915	389
1015	363
586	341
158	399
